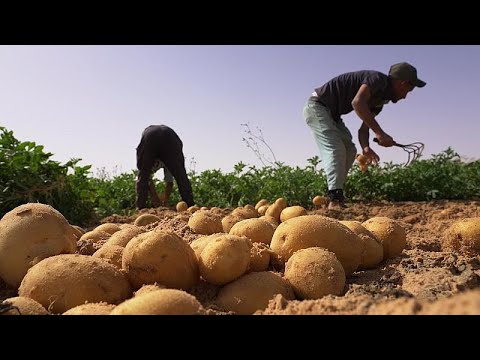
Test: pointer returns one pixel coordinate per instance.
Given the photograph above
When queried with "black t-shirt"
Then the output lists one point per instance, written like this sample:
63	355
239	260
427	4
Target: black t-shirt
338	93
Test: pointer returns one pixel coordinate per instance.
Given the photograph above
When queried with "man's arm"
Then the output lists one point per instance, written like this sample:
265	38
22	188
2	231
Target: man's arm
360	105
363	139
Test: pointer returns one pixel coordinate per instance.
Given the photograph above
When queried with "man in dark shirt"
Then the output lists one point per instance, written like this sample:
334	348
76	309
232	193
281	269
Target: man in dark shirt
160	147
366	92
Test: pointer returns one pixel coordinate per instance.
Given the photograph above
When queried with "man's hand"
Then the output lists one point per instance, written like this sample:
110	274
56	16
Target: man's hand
384	139
371	155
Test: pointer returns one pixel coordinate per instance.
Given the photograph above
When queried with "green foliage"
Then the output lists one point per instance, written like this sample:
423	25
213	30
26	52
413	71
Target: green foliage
27	174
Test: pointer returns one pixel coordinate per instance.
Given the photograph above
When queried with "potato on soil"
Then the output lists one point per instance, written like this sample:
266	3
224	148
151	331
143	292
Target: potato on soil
199	244
261	203
160	256
372	254
291	212
320	201
181	206
315	272
390	233
111	254
259	257
161	302
91	309
463	236
205	223
28	234
252	292
224	259
148	288
256	229
146	219
24	306
108	227
62	282
318	231
123	237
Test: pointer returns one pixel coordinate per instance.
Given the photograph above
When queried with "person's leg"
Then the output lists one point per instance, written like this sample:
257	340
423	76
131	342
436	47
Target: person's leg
351	150
143	179
329	142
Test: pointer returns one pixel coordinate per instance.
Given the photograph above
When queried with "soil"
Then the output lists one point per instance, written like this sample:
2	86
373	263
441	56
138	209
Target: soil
424	279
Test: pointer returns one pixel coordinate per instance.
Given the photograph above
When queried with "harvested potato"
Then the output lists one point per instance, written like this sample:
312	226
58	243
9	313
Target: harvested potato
108	227
230	220
252	292
28	234
463	236
123	237
148	288
160	256
161	302
318	231
261	203
146	219
372	254
291	212
91	309
262	209
111	254
199	244
320	201
256	229
224	259
315	272
205	223
62	282
181	206
259	257
21	305
390	233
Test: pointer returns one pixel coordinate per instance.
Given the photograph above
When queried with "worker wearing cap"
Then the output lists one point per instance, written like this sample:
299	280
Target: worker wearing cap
366	92
160	147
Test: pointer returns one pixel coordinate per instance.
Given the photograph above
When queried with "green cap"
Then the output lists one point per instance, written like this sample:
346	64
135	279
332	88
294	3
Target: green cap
406	72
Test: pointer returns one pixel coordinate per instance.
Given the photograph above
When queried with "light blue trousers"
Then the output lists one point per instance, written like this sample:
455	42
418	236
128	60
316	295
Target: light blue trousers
334	140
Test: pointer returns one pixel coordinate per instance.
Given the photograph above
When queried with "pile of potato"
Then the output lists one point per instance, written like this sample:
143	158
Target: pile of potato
251	255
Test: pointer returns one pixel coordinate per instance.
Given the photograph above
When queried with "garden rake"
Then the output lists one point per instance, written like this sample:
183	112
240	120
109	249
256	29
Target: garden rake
414	150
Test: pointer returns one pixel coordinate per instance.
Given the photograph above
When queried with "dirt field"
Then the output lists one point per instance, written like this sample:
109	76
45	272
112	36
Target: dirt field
423	280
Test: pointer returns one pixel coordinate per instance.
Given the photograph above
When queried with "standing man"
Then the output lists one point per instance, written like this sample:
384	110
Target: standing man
366	92
161	147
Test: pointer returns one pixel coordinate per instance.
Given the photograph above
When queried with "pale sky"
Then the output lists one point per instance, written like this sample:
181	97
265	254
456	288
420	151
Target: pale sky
93	102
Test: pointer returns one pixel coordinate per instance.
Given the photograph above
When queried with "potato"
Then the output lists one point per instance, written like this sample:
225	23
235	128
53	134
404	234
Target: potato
91	309
252	292
148	288
291	212
146	219
161	302
245	213
230	220
182	206
390	233
160	256
199	244
315	272
123	237
256	229
28	234
91	241
24	306
77	231
193	209
224	259
318	231
372	254
262	209
108	227
62	282
320	201
274	211
261	203
205	222
463	236
111	254
259	257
